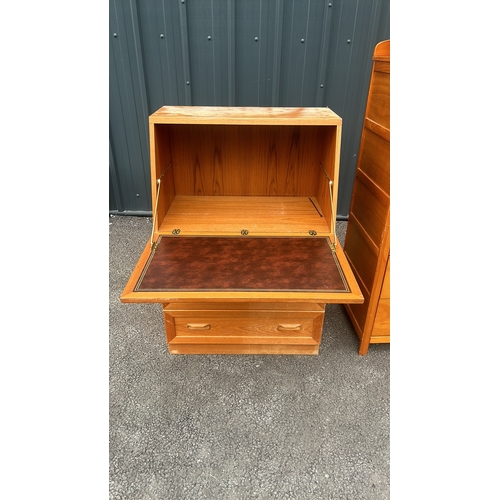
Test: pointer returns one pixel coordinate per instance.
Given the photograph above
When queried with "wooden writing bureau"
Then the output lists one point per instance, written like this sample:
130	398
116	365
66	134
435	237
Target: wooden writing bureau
243	254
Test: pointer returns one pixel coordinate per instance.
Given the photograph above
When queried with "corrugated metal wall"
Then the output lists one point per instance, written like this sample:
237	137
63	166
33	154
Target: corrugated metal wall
235	53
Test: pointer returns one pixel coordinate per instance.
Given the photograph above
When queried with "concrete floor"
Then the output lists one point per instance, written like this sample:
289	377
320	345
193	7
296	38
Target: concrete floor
239	427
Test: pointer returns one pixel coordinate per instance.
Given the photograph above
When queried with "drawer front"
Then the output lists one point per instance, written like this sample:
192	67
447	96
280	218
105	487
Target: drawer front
240	327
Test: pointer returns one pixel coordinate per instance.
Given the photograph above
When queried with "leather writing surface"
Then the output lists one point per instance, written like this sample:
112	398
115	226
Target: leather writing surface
242	263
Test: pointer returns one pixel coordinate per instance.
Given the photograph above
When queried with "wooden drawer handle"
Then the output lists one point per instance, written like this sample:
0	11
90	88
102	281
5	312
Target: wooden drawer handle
198	326
289	327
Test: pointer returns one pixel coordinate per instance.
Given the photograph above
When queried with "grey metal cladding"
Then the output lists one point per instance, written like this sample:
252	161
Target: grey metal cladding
235	53
128	112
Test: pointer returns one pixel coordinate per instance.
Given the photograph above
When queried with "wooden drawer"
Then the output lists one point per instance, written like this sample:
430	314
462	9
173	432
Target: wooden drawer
207	330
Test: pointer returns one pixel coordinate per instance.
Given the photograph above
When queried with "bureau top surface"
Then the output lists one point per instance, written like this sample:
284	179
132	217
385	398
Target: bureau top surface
227	115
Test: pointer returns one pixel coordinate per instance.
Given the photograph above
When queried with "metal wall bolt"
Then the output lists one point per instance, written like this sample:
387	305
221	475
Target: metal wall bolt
256	38
302	40
330	4
349	40
137	195
187	83
321	86
162	35
209	37
115	35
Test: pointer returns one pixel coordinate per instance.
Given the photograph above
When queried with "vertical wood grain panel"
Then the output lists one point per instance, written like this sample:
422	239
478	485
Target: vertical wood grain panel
379	109
243	160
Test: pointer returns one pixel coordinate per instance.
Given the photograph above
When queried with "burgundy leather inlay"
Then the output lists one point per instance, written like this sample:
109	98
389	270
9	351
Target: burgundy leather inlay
242	263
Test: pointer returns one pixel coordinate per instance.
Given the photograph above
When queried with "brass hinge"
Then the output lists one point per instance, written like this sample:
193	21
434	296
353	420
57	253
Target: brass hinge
333	246
155	213
334	215
158	182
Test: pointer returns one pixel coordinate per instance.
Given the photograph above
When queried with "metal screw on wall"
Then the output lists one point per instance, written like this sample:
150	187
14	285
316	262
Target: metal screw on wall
302	40
162	36
209	37
115	35
349	40
256	38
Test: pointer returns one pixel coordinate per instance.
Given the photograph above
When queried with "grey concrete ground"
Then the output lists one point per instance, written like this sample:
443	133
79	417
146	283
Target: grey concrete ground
239	427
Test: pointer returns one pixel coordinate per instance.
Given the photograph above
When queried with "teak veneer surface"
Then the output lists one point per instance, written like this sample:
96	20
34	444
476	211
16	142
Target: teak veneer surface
257	214
224	115
367	241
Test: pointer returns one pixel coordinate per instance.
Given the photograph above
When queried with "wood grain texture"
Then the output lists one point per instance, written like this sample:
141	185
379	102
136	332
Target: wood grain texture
385	292
275	349
247	160
382	322
370	213
367	242
379	109
230	328
373	159
205	215
225	115
260	326
243	308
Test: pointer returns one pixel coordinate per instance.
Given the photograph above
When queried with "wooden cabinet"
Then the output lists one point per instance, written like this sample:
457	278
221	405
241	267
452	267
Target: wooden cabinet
367	242
253	328
243	254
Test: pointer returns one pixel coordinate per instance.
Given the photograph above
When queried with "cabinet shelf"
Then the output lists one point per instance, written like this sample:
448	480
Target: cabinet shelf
229	215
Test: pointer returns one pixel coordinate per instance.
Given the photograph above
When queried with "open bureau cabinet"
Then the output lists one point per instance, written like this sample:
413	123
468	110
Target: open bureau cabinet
243	254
